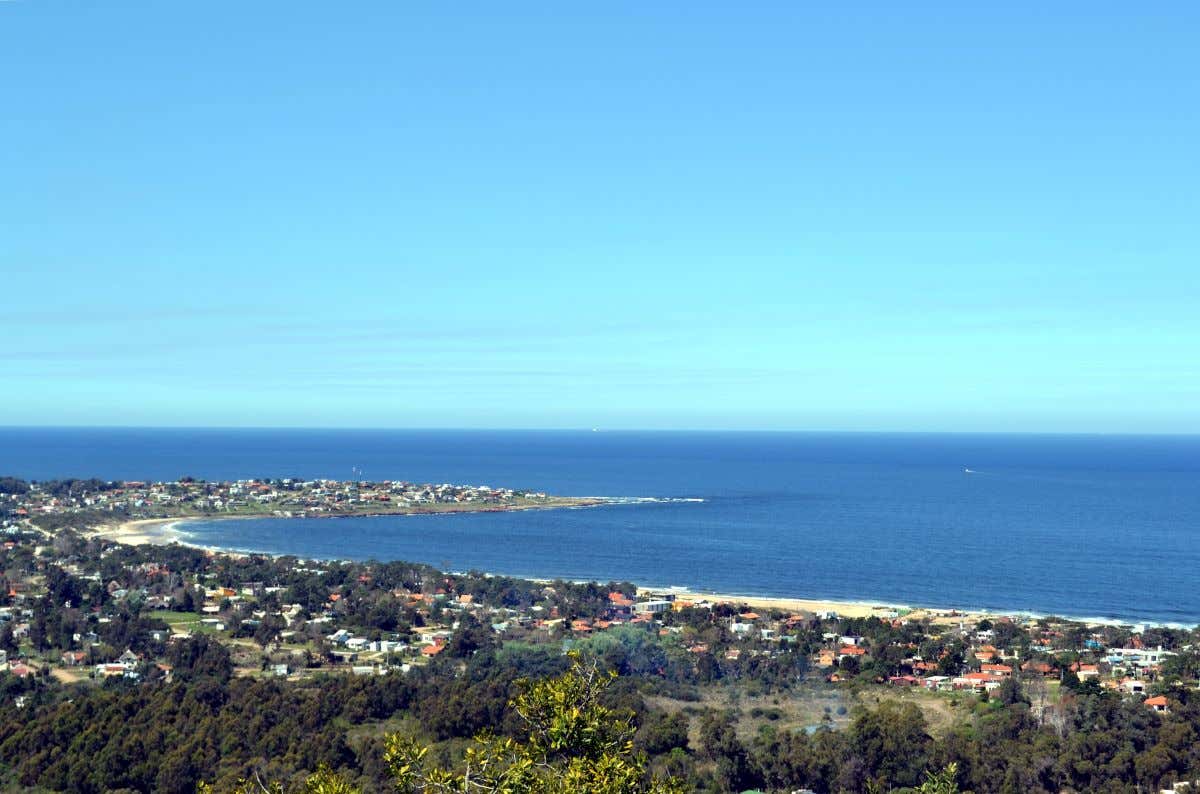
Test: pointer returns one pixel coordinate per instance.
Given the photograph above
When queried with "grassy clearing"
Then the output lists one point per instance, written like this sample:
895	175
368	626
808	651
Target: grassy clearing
184	621
71	675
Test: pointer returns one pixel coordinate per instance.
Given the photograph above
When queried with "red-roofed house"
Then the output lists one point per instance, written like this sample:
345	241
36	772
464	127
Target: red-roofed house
1041	668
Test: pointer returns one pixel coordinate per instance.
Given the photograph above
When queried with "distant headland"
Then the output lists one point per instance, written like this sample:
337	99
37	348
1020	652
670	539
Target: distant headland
95	503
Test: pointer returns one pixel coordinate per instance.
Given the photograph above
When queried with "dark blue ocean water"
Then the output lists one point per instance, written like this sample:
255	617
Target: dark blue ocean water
1076	525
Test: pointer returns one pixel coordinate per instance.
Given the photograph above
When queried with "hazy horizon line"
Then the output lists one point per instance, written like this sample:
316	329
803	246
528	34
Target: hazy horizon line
634	429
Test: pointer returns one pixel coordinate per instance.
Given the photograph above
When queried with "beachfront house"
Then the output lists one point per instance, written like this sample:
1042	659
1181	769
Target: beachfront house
1140	658
653	607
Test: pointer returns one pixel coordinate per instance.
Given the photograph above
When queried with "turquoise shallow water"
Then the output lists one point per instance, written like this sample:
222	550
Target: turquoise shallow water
1085	526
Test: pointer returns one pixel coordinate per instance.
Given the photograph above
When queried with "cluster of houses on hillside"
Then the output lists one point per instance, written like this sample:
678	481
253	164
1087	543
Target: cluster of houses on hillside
1126	670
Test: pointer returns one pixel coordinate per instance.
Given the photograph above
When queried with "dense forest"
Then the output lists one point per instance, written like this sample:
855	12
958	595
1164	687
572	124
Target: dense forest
206	726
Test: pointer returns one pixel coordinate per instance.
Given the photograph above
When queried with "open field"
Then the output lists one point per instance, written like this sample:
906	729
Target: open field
184	621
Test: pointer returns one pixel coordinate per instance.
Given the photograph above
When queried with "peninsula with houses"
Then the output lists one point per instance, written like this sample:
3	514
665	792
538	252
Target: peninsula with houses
130	507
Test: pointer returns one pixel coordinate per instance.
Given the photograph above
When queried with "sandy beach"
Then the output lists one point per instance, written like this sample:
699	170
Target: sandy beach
849	609
160	531
163	531
156	531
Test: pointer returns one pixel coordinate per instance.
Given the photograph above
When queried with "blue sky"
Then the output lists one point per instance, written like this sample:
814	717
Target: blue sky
893	216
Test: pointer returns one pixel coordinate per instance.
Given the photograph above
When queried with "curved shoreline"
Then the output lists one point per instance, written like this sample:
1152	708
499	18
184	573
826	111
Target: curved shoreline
165	531
157	531
138	532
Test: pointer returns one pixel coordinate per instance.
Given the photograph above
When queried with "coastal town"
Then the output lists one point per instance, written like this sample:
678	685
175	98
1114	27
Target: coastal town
81	612
274	632
271	635
105	502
